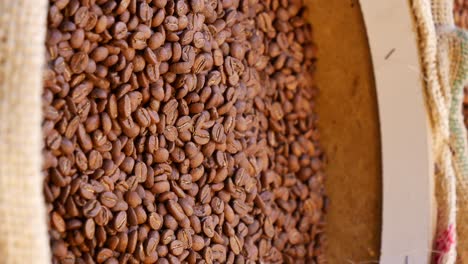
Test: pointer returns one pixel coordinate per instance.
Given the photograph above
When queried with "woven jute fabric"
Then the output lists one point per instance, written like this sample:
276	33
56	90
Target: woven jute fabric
443	50
23	228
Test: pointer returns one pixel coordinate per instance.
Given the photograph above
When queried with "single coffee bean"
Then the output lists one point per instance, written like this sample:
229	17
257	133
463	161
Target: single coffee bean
80	92
108	199
294	236
138	41
160	187
119	30
161	155
87	191
91	208
132	241
151	245
59	249
132	217
120	221
155	221
103	255
176	210
208	255
176	247
167	237
240	207
185	236
141	215
79	62
89	229
133	199
205	194
235	244
208	227
218	205
219	252
57	222
103	217
201	137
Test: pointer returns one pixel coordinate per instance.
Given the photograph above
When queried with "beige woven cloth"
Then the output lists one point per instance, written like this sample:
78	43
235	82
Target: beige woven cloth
23	228
444	50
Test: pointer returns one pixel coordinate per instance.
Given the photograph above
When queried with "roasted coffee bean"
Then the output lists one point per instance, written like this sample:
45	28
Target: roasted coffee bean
91	208
132	241
176	247
208	227
103	255
176	210
108	199
294	236
197	243
57	222
155	221
59	249
89	229
167	236
120	221
208	255
79	62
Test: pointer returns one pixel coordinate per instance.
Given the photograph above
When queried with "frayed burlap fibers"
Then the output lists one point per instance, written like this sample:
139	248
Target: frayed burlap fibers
23	228
443	50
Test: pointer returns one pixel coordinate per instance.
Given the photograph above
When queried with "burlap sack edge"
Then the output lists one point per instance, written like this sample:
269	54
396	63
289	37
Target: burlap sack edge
23	226
444	68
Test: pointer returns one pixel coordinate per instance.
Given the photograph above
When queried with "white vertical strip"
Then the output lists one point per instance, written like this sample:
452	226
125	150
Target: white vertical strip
408	198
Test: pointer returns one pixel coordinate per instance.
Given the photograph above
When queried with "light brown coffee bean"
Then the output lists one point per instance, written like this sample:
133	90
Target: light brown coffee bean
208	227
87	191
120	221
294	236
208	255
155	221
170	132
91	208
235	245
132	241
161	155
138	41
167	237
59	249
80	92
79	62
160	187
89	229
119	30
201	137
108	199
176	210
176	247
240	207
57	222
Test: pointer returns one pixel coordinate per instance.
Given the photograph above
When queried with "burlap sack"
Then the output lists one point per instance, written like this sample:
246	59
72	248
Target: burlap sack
444	50
23	229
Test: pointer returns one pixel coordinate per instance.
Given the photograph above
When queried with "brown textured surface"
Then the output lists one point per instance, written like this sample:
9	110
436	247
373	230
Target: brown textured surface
349	126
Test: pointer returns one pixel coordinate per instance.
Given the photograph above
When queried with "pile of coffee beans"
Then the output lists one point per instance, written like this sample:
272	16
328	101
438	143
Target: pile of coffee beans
461	19
181	131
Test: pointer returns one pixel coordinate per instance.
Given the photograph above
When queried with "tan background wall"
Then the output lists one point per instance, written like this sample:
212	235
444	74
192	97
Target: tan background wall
349	126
